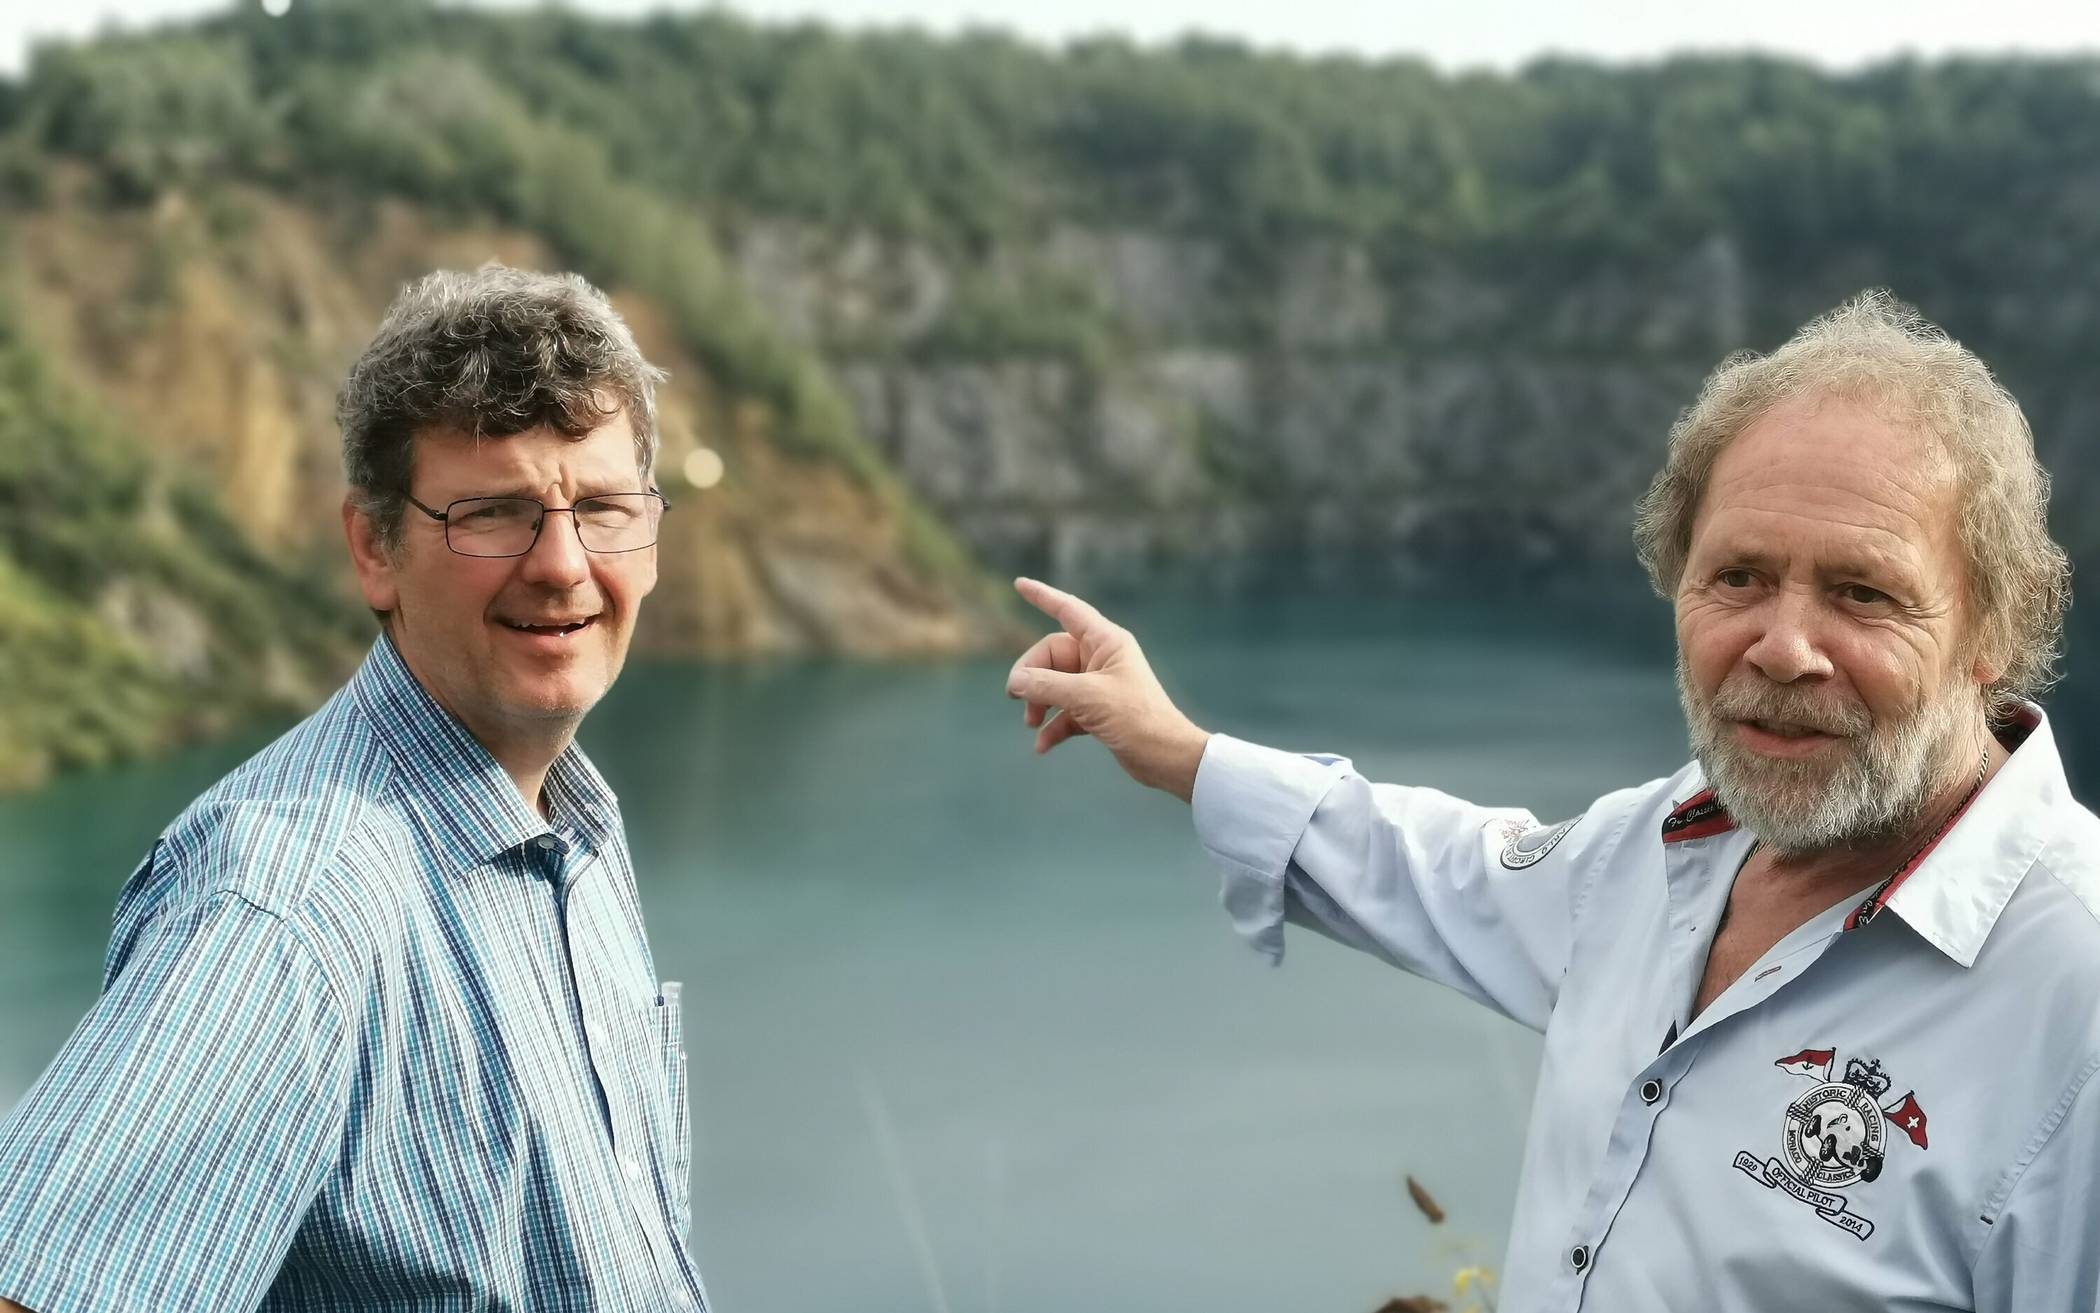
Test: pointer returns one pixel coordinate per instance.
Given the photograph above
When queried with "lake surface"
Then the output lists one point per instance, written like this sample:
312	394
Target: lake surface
967	1029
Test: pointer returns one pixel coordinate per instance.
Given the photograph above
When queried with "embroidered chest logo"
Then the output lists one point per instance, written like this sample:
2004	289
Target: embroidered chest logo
1835	1135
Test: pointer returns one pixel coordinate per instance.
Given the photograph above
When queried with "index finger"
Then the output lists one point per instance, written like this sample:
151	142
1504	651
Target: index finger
1076	614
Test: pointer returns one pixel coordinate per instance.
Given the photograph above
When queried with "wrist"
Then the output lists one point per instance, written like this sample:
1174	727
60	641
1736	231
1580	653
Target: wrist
1184	758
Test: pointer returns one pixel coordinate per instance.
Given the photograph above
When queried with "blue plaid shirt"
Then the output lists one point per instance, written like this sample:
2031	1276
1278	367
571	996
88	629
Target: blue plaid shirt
372	1036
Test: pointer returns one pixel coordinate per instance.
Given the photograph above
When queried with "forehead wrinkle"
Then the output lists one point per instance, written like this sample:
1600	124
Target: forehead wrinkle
1901	484
526	465
1794	473
1901	516
1874	535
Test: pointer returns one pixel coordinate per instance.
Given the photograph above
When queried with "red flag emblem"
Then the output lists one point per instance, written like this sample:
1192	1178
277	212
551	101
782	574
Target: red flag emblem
1909	1118
1809	1062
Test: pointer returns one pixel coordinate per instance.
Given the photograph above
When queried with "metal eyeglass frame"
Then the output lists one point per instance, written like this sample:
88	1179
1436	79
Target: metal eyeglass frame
444	517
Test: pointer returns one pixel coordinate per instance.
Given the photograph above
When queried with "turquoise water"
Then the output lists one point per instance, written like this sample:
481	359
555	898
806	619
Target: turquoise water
968	1031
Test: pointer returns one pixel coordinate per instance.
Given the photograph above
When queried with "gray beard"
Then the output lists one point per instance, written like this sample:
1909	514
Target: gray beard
1877	789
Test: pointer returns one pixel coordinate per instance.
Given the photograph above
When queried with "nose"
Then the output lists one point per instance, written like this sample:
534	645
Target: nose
557	558
1789	648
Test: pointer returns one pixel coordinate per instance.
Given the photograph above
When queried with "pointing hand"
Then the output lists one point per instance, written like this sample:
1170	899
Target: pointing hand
1095	678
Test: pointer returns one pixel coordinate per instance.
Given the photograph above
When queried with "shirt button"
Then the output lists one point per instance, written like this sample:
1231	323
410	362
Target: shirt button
634	1170
1579	1257
547	843
1652	1091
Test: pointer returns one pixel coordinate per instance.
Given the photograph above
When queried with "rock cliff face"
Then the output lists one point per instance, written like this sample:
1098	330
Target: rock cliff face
171	557
1101	407
219	338
1325	413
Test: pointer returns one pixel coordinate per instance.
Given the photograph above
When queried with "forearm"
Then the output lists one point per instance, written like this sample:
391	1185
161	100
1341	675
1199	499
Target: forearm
1421	879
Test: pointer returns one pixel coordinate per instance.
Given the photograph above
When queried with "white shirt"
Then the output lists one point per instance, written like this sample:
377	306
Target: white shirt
1889	1111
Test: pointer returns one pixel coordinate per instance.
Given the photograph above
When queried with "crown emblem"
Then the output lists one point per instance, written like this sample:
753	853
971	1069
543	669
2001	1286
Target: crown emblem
1867	1074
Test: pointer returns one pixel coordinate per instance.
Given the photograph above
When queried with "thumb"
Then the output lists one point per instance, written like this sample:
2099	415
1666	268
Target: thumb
1051	688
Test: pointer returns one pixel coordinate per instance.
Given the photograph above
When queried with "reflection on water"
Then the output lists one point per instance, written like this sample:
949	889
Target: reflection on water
942	990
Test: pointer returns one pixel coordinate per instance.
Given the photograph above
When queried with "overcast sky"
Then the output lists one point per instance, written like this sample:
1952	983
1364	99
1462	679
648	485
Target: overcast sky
1454	33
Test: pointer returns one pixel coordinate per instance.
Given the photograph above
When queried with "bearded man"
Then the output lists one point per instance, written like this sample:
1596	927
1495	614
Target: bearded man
1819	1009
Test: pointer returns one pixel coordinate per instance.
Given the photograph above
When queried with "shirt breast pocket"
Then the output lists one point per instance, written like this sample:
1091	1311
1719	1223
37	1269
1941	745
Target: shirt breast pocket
670	1050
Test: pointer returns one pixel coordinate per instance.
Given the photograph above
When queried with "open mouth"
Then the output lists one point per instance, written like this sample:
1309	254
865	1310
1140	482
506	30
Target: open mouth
553	628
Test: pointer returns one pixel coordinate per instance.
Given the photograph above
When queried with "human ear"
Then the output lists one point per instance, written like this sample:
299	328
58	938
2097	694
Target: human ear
375	564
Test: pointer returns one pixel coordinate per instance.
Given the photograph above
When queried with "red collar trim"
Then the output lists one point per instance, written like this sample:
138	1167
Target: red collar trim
1697	817
1867	911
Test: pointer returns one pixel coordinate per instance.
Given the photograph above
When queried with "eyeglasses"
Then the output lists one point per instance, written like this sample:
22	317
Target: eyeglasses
509	526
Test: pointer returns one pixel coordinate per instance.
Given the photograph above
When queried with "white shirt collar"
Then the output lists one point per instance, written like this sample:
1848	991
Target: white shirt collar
1952	897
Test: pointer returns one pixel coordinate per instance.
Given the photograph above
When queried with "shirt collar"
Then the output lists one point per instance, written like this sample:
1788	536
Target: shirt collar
461	795
1952	896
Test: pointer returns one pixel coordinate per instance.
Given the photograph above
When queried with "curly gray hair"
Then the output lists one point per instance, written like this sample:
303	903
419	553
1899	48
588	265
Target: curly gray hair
1876	349
492	352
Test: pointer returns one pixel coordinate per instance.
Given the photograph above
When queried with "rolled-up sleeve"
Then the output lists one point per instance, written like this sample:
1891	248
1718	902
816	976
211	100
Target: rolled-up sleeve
166	1158
1252	805
1481	899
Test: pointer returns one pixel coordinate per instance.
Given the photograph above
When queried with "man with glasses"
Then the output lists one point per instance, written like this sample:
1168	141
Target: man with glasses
380	1028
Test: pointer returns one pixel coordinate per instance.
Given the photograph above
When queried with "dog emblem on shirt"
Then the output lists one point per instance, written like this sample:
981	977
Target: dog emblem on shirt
1836	1135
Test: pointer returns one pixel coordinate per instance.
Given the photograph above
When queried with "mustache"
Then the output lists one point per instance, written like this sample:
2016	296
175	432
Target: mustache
1744	700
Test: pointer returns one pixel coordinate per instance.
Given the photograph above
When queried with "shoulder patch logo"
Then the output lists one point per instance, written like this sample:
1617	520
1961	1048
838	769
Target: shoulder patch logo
1522	847
1835	1135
